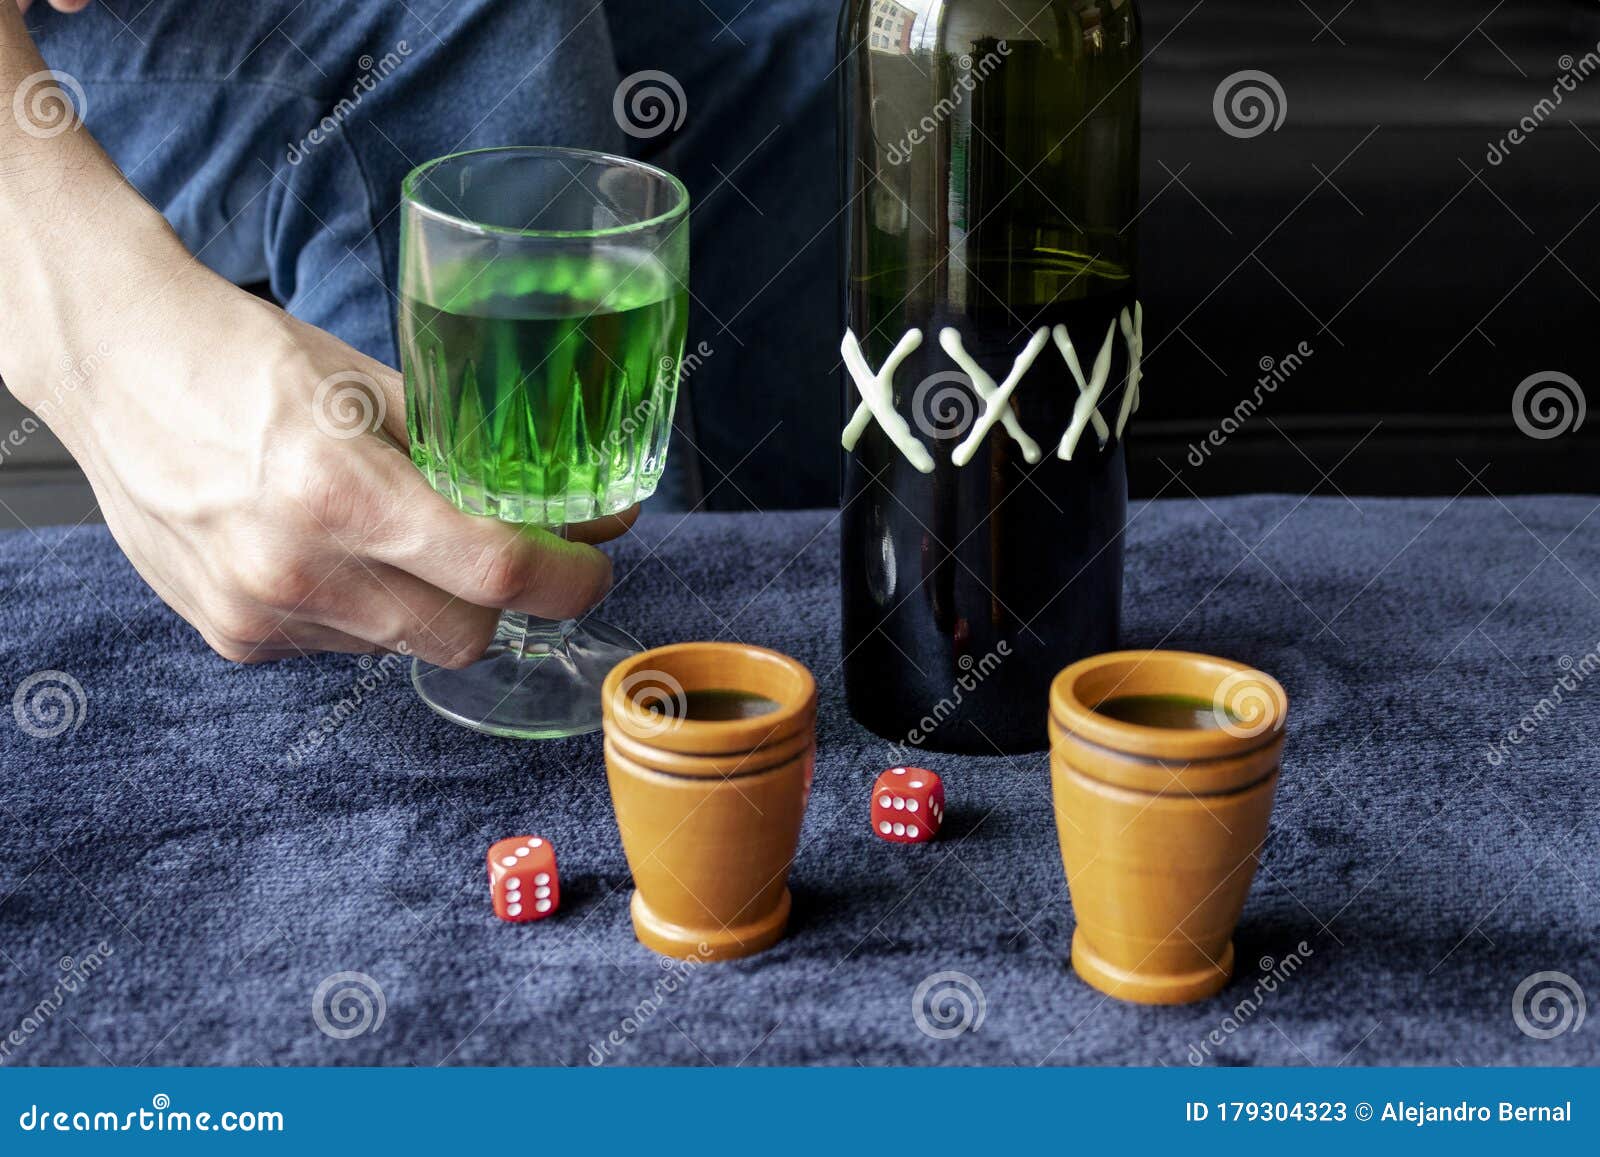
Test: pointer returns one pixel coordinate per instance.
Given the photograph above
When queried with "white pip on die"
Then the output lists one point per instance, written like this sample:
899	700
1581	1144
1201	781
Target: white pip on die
907	805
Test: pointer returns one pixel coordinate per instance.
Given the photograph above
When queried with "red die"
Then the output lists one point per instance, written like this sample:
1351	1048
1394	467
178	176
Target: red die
522	879
907	805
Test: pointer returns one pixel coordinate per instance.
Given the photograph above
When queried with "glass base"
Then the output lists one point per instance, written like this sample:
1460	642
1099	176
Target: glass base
537	680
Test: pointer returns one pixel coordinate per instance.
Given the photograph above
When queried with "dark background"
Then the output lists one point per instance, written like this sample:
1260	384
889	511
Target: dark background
1428	282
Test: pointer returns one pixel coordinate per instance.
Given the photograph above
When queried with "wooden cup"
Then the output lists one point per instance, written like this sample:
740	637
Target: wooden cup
709	811
1160	826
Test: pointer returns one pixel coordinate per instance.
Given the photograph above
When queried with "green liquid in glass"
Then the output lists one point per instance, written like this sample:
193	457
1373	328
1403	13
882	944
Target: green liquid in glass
1178	712
541	390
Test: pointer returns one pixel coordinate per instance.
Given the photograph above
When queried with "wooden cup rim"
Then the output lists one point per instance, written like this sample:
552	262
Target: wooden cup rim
667	672
1260	700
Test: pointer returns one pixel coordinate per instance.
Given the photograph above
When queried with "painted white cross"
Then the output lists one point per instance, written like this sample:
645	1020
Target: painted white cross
998	402
1089	390
1133	334
983	385
877	398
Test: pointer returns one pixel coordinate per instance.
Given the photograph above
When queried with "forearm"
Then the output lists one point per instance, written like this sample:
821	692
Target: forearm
81	243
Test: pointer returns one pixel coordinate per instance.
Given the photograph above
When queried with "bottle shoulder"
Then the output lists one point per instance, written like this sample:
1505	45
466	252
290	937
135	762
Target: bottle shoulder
912	27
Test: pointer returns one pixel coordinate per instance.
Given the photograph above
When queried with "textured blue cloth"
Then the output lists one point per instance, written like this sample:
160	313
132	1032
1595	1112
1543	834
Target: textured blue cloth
229	880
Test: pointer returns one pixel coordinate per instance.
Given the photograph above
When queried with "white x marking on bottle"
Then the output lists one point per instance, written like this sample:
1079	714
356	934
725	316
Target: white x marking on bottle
983	385
1133	334
877	390
1084	412
877	398
999	401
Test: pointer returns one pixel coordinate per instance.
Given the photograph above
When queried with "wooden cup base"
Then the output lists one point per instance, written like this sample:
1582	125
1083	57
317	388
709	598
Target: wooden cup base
682	943
1146	988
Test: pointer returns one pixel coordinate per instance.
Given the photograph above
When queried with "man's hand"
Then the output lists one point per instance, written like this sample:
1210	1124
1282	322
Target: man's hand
253	467
58	5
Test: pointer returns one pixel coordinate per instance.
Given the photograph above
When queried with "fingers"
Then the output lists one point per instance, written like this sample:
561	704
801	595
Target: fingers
604	529
242	637
480	560
400	612
355	606
299	640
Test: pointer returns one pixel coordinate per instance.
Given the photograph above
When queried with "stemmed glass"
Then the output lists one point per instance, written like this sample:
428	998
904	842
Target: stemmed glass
543	305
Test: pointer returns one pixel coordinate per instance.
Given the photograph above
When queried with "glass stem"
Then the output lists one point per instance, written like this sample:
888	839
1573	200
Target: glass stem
529	637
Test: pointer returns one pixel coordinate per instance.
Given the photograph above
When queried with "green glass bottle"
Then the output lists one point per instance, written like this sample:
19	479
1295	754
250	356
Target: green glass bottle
991	347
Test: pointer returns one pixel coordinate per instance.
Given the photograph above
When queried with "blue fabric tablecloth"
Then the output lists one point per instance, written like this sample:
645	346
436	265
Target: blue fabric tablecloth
175	888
